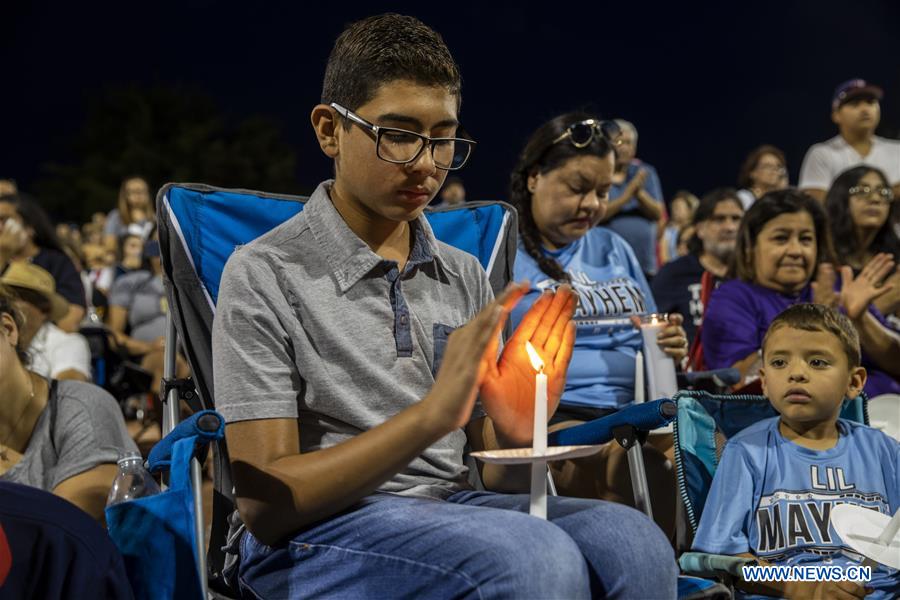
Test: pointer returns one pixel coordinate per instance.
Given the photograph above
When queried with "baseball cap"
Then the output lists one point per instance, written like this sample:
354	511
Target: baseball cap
854	88
25	275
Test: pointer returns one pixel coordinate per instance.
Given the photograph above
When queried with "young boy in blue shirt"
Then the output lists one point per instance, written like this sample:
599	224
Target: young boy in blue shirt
349	402
778	480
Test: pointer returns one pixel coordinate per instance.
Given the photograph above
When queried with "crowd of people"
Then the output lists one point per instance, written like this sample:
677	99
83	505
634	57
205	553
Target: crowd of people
354	322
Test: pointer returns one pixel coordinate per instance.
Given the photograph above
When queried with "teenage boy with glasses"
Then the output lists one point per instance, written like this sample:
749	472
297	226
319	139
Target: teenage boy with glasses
349	403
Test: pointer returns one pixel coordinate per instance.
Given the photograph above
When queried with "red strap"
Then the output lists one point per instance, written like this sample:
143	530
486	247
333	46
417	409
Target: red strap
5	557
695	355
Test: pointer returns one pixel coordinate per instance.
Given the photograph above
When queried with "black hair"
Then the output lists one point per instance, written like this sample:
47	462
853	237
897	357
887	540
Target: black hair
541	155
37	219
843	235
385	48
816	317
120	250
744	180
770	206
705	210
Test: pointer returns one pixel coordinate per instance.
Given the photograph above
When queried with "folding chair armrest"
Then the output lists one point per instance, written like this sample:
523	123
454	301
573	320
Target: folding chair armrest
204	426
643	417
702	564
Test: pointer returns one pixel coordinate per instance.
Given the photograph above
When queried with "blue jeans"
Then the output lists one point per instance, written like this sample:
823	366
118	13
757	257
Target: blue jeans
473	545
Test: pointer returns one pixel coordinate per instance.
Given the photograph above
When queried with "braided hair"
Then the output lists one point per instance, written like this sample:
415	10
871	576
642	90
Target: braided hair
541	155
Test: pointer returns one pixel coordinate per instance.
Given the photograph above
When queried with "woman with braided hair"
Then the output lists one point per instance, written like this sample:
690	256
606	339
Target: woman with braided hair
560	188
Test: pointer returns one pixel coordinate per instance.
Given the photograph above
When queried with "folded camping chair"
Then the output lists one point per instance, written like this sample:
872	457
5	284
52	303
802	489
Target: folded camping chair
703	425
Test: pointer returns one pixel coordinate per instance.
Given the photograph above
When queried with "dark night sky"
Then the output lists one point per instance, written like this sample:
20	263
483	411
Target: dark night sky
703	82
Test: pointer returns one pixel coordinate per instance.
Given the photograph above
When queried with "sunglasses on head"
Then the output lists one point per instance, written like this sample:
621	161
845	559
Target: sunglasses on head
582	133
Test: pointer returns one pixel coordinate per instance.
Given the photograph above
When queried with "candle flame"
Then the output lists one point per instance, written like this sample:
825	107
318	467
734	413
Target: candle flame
535	358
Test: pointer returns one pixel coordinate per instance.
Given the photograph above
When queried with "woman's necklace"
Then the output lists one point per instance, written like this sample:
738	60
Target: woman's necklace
4	457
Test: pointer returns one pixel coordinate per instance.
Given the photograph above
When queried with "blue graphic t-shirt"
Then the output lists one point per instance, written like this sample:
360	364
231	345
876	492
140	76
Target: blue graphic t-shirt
610	287
773	498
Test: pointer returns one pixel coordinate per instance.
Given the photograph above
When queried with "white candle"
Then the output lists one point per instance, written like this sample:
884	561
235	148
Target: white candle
538	499
539	430
540	414
661	379
639	377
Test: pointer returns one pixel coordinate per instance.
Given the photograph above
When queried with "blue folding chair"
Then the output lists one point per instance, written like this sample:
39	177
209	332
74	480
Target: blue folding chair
704	423
199	227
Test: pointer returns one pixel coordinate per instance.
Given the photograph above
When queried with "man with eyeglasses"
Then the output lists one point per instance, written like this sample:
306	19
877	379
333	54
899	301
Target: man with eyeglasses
356	357
635	200
678	287
856	110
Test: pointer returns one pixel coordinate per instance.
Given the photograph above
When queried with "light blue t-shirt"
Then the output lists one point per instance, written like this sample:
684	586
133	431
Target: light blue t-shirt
638	230
774	498
610	287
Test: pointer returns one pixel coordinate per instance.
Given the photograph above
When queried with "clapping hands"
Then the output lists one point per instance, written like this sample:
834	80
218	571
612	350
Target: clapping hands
858	292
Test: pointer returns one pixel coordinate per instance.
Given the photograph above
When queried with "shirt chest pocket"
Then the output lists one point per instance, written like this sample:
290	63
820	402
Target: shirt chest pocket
441	333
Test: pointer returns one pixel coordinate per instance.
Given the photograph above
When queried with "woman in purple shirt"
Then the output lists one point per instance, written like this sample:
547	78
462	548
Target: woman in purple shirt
782	243
861	209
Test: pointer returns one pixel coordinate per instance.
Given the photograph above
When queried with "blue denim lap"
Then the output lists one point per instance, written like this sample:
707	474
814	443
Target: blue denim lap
474	545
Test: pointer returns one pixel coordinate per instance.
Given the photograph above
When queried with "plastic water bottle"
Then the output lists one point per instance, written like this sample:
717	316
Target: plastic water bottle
133	480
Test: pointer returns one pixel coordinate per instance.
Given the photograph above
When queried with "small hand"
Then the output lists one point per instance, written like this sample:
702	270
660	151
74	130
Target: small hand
12	238
640	178
823	287
636	184
470	351
858	293
672	339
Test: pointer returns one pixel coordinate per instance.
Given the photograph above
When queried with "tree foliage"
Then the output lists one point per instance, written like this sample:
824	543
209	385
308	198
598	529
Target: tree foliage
163	134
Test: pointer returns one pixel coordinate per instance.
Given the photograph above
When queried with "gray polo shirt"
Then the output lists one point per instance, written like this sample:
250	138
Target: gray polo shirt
313	325
80	429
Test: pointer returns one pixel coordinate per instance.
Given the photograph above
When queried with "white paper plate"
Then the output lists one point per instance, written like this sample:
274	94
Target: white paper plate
860	529
517	456
664	430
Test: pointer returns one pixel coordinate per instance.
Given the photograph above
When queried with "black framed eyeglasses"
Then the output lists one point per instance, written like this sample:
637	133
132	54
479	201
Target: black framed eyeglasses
582	133
401	147
885	194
